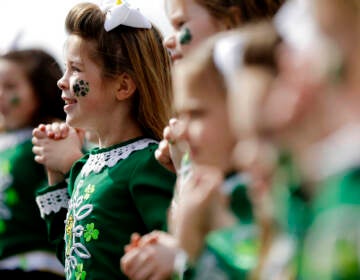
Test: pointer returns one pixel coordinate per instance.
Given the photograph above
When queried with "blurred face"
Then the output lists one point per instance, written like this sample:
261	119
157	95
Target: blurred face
87	102
204	122
18	101
191	23
246	99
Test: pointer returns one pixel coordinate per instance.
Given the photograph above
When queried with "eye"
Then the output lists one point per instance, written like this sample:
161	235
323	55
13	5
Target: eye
196	114
180	25
177	23
10	86
75	69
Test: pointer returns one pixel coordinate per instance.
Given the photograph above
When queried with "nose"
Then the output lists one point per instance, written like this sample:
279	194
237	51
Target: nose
62	83
170	42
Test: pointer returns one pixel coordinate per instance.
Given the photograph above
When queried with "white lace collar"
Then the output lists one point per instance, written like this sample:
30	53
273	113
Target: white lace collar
97	161
13	138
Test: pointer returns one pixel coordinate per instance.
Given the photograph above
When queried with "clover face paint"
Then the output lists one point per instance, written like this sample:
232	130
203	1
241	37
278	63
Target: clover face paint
14	100
185	36
81	88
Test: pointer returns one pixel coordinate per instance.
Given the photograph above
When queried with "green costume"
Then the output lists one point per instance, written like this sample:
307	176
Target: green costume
291	212
22	231
114	192
331	249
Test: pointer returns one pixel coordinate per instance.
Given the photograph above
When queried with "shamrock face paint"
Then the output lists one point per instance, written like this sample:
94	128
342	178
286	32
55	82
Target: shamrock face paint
81	88
185	36
14	100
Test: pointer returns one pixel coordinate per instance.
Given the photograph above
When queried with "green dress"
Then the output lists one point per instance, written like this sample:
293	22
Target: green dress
332	244
21	228
114	192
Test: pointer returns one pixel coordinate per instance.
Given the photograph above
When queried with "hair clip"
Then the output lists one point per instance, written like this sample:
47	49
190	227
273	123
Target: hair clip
119	12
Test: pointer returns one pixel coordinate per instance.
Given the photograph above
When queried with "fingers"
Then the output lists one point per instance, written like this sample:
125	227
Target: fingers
40	131
171	131
134	242
162	155
136	265
57	130
54	130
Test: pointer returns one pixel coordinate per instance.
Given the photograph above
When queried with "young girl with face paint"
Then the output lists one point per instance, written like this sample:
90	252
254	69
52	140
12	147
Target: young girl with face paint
28	96
117	85
195	20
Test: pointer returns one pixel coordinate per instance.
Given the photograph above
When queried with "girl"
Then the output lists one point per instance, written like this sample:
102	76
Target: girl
28	96
195	20
116	85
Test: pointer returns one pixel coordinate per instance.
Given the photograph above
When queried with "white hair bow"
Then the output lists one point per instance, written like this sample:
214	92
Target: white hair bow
119	12
228	53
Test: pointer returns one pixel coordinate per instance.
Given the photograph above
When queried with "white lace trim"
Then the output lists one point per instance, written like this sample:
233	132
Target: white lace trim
97	162
11	139
52	201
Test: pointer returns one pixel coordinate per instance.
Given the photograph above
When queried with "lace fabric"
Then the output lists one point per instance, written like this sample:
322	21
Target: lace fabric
52	201
99	161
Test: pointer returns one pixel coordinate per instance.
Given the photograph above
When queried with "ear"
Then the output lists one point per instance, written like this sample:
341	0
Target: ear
126	87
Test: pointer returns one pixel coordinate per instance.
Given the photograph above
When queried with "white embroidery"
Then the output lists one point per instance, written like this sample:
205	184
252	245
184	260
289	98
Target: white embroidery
11	139
97	162
78	210
52	201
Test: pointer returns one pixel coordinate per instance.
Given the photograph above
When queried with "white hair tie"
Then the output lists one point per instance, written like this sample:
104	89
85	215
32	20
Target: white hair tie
119	12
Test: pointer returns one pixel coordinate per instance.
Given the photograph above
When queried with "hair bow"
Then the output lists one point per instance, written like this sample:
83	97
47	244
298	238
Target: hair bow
228	53
119	12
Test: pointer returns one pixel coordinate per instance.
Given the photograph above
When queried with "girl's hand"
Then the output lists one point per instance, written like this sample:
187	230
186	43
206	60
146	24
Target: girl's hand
171	149
57	147
153	258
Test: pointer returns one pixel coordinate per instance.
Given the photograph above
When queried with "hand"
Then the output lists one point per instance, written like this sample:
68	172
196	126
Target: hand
171	150
152	258
198	209
54	151
55	130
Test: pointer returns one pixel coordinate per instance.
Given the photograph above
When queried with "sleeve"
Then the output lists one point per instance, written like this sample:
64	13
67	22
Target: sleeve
152	187
53	204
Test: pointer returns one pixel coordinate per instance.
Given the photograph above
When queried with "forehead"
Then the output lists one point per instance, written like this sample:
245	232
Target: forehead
192	90
176	8
8	69
77	49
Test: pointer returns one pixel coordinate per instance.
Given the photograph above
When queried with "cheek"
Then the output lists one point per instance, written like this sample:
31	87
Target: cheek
195	133
193	35
80	87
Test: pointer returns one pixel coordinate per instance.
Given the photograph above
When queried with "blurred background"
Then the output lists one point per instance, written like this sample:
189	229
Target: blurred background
41	22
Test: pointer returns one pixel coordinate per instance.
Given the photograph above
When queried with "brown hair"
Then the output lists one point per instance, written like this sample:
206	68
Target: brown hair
249	10
138	52
42	71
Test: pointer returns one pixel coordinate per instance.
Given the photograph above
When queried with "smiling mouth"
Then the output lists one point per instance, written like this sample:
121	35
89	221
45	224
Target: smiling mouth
69	101
176	56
